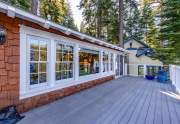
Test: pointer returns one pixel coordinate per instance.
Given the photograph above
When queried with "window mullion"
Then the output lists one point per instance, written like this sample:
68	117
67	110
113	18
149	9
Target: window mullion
38	63
101	62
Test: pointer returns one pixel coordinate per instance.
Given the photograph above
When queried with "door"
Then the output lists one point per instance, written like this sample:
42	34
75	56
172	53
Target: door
119	66
141	70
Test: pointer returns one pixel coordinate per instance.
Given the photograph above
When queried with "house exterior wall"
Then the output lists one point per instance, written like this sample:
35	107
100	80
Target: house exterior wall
10	66
142	60
134	44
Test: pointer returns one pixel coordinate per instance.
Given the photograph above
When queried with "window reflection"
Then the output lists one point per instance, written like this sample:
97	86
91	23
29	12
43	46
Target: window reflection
64	61
38	61
105	62
88	61
111	61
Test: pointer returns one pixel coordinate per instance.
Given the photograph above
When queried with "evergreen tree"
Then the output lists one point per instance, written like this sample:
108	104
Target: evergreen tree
170	32
96	16
24	4
147	25
82	27
54	8
68	18
132	28
101	18
59	11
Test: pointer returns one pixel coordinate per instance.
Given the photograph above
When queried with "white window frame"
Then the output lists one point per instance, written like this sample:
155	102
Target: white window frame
111	63
29	86
52	85
64	42
95	49
108	64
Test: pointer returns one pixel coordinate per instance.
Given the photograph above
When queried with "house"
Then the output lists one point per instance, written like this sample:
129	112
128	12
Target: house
140	64
41	61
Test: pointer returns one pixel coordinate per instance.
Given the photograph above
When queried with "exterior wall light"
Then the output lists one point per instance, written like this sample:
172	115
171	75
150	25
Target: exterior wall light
3	35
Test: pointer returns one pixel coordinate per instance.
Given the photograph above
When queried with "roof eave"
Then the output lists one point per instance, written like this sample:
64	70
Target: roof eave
16	12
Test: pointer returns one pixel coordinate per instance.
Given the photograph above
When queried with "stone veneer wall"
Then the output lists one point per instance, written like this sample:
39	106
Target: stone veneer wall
10	68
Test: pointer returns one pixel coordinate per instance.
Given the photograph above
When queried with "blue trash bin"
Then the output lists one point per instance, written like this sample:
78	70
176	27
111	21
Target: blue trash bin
162	76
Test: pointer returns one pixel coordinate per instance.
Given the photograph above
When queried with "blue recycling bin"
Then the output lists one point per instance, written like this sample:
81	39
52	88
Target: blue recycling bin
162	76
150	77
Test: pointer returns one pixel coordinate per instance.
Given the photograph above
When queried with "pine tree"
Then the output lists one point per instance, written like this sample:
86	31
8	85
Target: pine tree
82	27
68	18
170	32
101	17
24	4
59	11
132	29
148	26
96	16
55	8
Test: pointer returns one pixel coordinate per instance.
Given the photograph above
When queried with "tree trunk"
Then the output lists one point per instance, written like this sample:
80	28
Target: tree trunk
98	26
35	7
121	23
98	20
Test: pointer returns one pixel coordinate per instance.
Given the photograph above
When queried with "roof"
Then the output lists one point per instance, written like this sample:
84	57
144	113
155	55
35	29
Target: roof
13	12
142	43
144	51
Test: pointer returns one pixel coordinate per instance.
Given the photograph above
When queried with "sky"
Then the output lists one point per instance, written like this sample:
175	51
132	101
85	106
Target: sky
77	14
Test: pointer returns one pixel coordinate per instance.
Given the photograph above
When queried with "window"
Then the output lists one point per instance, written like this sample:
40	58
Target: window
140	70
64	61
152	70
105	62
111	61
88	61
38	60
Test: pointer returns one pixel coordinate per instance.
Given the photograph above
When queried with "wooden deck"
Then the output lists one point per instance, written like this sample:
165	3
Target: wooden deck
127	100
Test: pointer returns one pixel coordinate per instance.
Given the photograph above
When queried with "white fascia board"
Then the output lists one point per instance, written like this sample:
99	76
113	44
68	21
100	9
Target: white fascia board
36	19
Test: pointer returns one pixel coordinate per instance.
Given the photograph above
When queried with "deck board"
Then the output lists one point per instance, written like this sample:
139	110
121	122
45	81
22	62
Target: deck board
151	110
127	100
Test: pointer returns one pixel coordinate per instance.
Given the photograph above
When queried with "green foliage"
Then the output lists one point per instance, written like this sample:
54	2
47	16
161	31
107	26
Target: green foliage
170	32
55	8
59	11
68	18
148	26
24	4
96	15
132	28
101	19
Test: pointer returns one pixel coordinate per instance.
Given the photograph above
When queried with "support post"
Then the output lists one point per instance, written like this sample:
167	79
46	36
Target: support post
76	62
101	62
145	70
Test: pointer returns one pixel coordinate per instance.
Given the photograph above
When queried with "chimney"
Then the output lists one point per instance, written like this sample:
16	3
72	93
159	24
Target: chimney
35	7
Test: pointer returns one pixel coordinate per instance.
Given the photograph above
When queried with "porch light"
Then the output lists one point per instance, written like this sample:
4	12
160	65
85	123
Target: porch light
2	35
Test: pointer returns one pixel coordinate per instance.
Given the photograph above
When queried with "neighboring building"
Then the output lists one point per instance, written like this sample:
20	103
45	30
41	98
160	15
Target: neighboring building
41	61
139	63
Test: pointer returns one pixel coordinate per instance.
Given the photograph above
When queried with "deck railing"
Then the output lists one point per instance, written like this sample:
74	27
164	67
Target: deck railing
175	76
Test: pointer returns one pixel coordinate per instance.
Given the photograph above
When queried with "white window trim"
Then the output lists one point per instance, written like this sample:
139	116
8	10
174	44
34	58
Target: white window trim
89	75
64	81
52	85
111	62
28	63
106	52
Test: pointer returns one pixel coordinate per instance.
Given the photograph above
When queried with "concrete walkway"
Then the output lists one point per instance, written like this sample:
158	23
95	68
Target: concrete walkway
127	100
